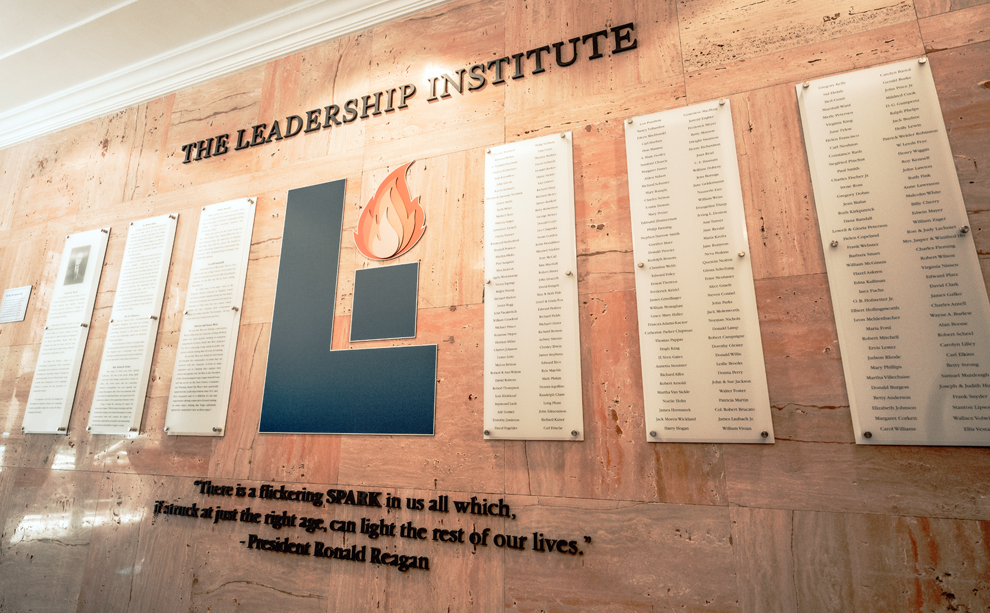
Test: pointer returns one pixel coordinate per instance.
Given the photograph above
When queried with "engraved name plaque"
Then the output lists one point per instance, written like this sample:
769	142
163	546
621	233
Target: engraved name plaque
532	342
909	298
704	379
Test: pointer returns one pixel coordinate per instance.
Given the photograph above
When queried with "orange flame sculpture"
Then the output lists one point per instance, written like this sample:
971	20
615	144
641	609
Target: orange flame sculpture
391	224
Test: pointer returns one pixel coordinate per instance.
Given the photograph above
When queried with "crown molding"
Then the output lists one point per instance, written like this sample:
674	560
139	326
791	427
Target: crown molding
303	26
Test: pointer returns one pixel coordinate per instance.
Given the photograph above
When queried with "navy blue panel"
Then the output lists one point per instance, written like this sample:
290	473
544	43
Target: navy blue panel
308	388
385	302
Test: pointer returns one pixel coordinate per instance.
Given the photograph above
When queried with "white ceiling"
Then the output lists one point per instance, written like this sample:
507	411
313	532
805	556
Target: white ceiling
63	62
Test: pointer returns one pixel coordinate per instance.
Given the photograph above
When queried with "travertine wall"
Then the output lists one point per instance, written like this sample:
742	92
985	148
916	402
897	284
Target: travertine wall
812	523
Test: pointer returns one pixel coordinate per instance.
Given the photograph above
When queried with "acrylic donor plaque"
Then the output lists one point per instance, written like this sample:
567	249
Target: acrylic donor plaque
703	374
66	329
15	304
532	342
910	303
118	400
204	361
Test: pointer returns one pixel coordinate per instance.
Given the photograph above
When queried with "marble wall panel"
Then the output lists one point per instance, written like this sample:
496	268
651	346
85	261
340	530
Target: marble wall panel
315	79
584	91
14	170
850	562
889	480
804	368
18	371
776	185
961	78
641	557
810	61
60	169
927	8
112	565
47	523
762	545
222	106
955	29
716	33
417	49
801	560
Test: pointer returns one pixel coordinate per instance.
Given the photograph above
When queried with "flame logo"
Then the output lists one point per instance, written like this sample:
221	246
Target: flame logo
392	223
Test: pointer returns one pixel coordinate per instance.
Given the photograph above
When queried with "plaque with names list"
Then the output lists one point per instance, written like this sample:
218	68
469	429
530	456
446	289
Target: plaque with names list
704	379
532	340
910	302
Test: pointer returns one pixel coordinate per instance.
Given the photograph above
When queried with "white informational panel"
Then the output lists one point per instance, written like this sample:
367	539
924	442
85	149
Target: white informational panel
54	385
204	360
118	401
15	304
910	303
532	341
704	379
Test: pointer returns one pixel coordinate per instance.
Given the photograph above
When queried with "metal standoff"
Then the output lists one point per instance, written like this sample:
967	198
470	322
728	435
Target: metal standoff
104	230
488	281
487	433
233	308
568	273
806	84
964	230
185	312
574	432
629	120
721	102
165	429
84	325
61	429
111	321
132	223
154	317
653	433
171	216
640	264
563	135
89	428
132	430
765	434
834	243
742	254
922	60
215	429
867	434
488	150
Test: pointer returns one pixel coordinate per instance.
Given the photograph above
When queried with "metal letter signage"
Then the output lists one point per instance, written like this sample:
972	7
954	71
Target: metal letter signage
308	387
910	302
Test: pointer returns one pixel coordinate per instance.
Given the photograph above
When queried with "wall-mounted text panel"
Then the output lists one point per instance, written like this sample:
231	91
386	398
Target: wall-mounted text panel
910	304
66	329
118	400
204	361
704	379
532	342
15	303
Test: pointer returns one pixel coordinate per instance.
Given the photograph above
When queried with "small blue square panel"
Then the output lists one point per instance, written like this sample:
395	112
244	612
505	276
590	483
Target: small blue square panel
385	302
